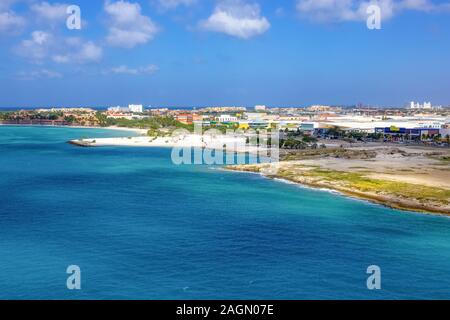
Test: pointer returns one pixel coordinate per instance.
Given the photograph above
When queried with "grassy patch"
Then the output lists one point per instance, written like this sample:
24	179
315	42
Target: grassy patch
329	153
361	183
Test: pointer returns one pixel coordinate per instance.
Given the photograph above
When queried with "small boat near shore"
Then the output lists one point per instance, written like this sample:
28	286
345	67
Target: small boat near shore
83	143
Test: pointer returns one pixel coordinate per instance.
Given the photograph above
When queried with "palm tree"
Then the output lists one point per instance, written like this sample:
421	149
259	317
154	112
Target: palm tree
335	132
437	138
424	136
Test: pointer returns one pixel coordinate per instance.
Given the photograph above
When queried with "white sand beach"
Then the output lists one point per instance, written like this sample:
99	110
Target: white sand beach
182	141
141	132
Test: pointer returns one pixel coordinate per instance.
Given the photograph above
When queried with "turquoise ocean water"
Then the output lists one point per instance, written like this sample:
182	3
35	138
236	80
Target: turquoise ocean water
140	227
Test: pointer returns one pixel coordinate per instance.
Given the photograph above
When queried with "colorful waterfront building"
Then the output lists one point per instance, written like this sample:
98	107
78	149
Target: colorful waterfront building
188	118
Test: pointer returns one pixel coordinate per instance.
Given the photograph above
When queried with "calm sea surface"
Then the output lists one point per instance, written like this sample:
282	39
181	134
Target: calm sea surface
140	227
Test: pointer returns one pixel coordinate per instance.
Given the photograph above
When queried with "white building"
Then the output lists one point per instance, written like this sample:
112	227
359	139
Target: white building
254	115
260	108
118	109
136	108
227	118
368	124
417	105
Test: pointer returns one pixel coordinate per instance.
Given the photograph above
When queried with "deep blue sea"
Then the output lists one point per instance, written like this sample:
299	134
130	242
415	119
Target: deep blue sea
140	227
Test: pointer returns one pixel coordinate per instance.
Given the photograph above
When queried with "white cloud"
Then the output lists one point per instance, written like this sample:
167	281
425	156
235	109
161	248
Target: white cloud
38	74
127	26
59	58
43	46
150	69
238	19
11	23
50	12
173	4
89	51
37	47
40	37
355	10
79	52
6	4
331	10
279	12
422	5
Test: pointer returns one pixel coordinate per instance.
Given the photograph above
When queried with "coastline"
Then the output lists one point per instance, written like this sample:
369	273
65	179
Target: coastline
365	166
291	171
102	184
211	142
390	201
135	130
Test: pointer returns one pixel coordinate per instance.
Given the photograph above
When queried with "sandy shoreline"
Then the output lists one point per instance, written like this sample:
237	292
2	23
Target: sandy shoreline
190	140
387	201
215	142
410	180
406	178
419	177
135	130
354	195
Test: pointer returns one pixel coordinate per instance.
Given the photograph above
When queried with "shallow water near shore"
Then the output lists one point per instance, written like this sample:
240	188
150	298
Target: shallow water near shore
140	227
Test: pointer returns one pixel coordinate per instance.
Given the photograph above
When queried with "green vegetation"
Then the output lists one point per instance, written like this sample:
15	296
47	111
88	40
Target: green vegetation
80	118
292	143
359	182
4	115
309	139
70	119
444	161
102	119
154	124
297	140
352	136
31	115
329	152
158	126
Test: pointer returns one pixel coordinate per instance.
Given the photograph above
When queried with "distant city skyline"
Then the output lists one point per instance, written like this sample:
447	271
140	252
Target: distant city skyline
199	107
223	52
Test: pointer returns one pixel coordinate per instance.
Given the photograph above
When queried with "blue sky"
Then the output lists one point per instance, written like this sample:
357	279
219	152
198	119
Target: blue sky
223	52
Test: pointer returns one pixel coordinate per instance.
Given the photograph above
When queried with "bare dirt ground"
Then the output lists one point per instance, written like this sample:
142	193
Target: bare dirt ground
404	164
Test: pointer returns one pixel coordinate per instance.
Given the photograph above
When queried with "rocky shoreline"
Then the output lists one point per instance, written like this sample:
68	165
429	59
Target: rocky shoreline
392	189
